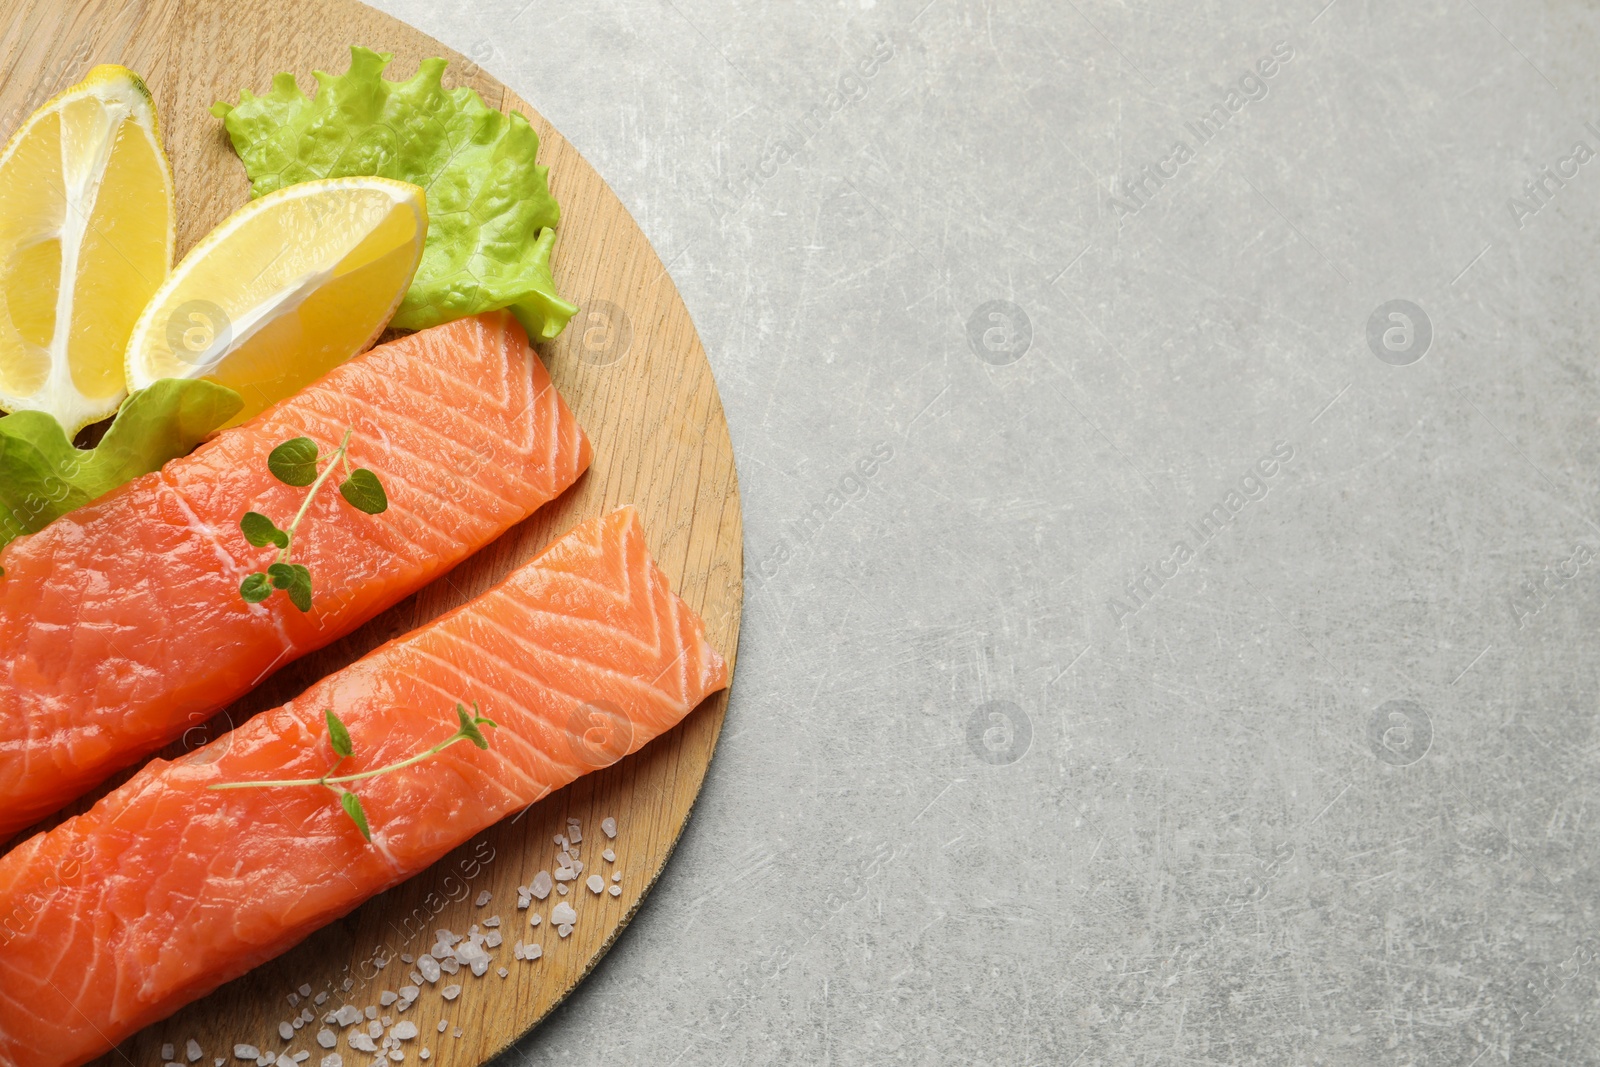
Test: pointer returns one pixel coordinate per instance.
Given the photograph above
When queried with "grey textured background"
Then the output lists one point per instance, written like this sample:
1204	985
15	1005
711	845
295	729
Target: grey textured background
1322	798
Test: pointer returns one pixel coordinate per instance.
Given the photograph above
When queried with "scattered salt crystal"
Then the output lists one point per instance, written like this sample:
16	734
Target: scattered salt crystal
615	890
374	1029
168	1052
609	825
502	972
484	898
541	884
266	1059
425	1054
296	1023
609	856
534	920
305	990
286	1031
565	874
574	835
446	937
457	1032
387	998
494	940
219	1062
562	889
480	968
439	951
492	921
429	968
564	929
616	876
372	1013
409	992
347	984
396	1055
450	965
193	1051
294	999
563	914
532	952
361	1042
301	1057
327	1038
348	1015
408	959
386	1020
333	1059
322	998
246	1052
307	1016
561	840
416	978
596	884
442	1025
404	1031
450	992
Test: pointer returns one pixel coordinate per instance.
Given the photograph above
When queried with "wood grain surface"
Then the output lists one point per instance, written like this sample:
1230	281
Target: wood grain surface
633	370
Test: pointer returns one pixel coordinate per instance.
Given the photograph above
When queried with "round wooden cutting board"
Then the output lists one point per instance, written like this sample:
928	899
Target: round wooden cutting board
633	370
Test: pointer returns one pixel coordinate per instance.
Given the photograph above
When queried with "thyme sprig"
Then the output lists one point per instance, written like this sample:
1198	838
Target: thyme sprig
295	463
344	748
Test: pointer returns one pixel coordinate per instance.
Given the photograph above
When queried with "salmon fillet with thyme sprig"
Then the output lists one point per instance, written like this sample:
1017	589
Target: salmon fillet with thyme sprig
169	887
122	622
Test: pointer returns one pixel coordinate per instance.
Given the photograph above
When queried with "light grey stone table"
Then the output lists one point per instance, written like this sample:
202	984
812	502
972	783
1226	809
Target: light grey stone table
1172	592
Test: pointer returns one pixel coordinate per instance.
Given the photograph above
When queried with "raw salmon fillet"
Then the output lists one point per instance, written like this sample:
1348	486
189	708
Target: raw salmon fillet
122	623
166	889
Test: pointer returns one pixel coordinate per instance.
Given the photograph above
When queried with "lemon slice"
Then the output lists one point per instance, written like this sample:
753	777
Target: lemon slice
85	239
284	290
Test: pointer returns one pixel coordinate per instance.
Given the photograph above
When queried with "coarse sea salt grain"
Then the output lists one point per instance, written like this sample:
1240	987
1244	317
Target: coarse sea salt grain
333	1059
327	1038
387	998
484	898
574	834
608	825
564	929
409	992
450	992
404	1031
322	998
534	920
429	968
361	1042
348	1015
425	1054
609	856
532	952
442	1025
563	913
502	972
246	1052
301	1057
492	921
266	1059
372	1013
374	1029
562	889
541	885
168	1052
450	964
596	884
494	940
305	990
616	876
193	1050
294	999
615	890
286	1031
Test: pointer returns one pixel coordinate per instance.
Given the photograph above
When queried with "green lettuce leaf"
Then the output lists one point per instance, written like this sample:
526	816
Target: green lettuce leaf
42	476
490	212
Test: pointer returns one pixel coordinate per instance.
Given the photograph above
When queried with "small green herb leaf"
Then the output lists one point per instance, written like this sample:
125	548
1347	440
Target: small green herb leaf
294	579
339	737
469	728
358	815
294	462
262	531
255	588
364	492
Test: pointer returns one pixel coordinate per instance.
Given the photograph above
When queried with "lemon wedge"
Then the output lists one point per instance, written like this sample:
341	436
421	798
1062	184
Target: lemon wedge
85	239
284	290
